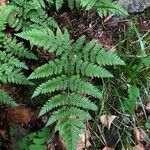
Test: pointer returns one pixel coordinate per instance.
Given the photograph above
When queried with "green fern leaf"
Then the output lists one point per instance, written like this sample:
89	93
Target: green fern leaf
14	77
91	70
108	7
68	112
58	83
77	84
17	49
52	68
70	135
71	100
6	99
61	124
78	64
4	13
11	60
108	58
130	103
47	39
59	4
42	38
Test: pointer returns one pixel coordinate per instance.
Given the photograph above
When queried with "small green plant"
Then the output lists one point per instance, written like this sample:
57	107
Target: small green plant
35	140
29	141
147	124
129	104
129	92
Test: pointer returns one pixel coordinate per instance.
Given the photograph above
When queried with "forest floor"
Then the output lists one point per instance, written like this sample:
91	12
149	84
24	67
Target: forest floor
109	32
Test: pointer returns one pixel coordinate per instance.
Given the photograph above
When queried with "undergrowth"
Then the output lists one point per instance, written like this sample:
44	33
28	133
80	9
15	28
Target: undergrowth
79	77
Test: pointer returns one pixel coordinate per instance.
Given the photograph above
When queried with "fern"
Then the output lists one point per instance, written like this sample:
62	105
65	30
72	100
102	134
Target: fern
130	103
11	54
6	99
73	100
69	74
30	14
103	7
4	13
17	49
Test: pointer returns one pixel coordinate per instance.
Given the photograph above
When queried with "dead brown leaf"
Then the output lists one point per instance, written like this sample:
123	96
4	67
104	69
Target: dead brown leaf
107	120
108	148
147	107
4	134
137	135
139	147
104	38
3	2
84	138
20	115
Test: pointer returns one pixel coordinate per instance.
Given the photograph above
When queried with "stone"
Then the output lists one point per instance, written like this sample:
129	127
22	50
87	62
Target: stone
134	6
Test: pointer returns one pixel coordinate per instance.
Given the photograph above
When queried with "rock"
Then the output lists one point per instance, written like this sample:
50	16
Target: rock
134	6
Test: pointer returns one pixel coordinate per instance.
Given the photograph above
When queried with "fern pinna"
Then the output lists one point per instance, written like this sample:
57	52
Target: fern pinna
29	14
68	79
11	53
102	7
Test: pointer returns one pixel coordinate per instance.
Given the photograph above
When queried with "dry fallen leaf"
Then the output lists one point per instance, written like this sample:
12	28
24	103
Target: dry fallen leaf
107	18
137	135
108	148
3	2
20	115
139	147
84	136
4	134
147	107
107	120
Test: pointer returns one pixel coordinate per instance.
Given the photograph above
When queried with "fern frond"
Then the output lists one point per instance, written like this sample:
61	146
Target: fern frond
70	100
77	64
47	39
72	112
76	84
70	124
42	38
108	7
78	45
59	4
69	129
30	14
52	85
91	70
108	58
17	49
4	13
6	99
9	60
61	124
13	76
95	53
104	7
87	48
52	68
70	134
